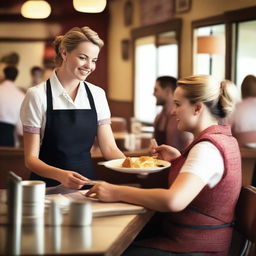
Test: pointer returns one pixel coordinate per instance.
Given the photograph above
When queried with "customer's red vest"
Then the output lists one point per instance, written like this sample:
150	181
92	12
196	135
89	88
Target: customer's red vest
211	207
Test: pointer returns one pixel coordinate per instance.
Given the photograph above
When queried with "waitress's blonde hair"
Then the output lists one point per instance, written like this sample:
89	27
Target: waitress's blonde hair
72	39
219	97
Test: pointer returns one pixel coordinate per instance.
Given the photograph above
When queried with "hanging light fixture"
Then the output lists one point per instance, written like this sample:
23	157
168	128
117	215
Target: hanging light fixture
91	6
35	9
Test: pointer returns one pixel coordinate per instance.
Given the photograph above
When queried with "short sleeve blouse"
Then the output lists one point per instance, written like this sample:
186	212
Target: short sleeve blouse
205	161
33	109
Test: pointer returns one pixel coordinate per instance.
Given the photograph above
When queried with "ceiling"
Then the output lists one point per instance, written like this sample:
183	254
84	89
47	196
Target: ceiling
10	9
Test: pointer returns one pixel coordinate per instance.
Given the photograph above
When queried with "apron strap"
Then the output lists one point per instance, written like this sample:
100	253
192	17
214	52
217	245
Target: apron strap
90	97
48	97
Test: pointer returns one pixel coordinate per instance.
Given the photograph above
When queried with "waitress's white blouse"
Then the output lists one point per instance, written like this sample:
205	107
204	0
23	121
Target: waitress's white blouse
33	109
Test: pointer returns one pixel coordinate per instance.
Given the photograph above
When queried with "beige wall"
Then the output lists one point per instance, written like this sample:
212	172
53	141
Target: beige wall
30	52
120	71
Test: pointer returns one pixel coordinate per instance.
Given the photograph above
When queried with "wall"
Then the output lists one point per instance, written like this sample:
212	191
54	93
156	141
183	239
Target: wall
120	72
28	39
30	51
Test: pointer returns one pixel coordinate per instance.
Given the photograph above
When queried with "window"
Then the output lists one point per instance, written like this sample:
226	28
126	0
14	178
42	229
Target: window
239	31
245	55
209	52
156	53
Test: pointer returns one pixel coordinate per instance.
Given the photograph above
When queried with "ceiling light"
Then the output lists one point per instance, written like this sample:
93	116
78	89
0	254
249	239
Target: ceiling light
91	6
35	9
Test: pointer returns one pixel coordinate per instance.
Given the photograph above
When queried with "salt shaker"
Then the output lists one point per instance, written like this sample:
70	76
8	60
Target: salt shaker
55	214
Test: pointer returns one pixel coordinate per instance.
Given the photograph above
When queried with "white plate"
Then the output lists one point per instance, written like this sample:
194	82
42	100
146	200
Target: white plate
116	165
250	145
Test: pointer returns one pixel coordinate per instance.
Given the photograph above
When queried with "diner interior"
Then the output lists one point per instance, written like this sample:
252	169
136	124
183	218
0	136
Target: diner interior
143	39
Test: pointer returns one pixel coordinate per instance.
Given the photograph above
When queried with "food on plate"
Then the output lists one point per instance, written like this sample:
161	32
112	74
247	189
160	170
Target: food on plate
140	162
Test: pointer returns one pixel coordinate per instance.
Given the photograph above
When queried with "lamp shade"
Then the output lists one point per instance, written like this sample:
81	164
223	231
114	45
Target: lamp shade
211	44
91	6
35	9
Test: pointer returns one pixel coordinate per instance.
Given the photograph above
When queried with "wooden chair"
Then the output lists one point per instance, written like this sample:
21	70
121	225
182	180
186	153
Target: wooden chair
118	124
244	237
244	138
12	159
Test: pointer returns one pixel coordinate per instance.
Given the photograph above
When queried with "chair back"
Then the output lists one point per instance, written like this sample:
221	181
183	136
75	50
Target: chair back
244	237
246	213
118	124
244	138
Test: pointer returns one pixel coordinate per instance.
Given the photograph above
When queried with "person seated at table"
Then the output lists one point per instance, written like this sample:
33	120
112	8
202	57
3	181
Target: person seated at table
196	212
165	124
62	116
243	119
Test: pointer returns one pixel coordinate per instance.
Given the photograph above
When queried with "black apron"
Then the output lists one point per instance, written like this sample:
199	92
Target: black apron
68	138
7	135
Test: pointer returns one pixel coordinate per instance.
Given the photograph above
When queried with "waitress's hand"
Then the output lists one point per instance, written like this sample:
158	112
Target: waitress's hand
104	192
72	180
165	152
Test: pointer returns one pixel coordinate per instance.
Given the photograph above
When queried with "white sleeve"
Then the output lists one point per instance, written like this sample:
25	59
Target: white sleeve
205	161
31	113
102	108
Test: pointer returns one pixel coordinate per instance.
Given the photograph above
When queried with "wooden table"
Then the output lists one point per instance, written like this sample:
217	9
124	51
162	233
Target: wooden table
106	236
248	164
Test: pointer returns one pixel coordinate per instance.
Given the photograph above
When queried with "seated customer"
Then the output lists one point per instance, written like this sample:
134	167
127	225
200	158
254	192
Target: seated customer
243	120
165	125
197	210
11	98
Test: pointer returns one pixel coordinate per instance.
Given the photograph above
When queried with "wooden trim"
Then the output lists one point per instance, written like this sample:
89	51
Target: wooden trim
174	24
15	39
214	20
228	57
241	14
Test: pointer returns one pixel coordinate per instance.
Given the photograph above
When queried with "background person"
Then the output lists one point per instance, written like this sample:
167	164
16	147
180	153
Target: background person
62	116
204	181
243	120
37	75
165	124
11	98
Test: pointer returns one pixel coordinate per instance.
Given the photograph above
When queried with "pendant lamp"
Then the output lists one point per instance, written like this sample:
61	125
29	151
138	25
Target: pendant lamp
90	6
35	9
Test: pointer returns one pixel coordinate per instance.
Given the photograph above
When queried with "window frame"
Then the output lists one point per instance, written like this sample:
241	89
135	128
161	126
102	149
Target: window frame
155	30
228	19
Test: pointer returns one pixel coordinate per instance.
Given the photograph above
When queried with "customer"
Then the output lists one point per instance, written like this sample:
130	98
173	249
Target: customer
37	75
11	98
204	181
62	116
165	125
243	120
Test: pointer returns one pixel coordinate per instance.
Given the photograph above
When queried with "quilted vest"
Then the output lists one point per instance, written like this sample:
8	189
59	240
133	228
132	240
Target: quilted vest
204	225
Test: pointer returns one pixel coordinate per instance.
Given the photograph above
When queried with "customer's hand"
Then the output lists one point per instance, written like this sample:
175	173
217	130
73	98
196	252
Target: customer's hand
72	180
165	152
104	192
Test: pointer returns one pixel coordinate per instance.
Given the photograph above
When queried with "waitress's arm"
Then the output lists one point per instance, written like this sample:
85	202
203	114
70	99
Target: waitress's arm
69	179
107	143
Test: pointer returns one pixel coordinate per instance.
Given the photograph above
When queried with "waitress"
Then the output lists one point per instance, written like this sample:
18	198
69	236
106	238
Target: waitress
62	116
